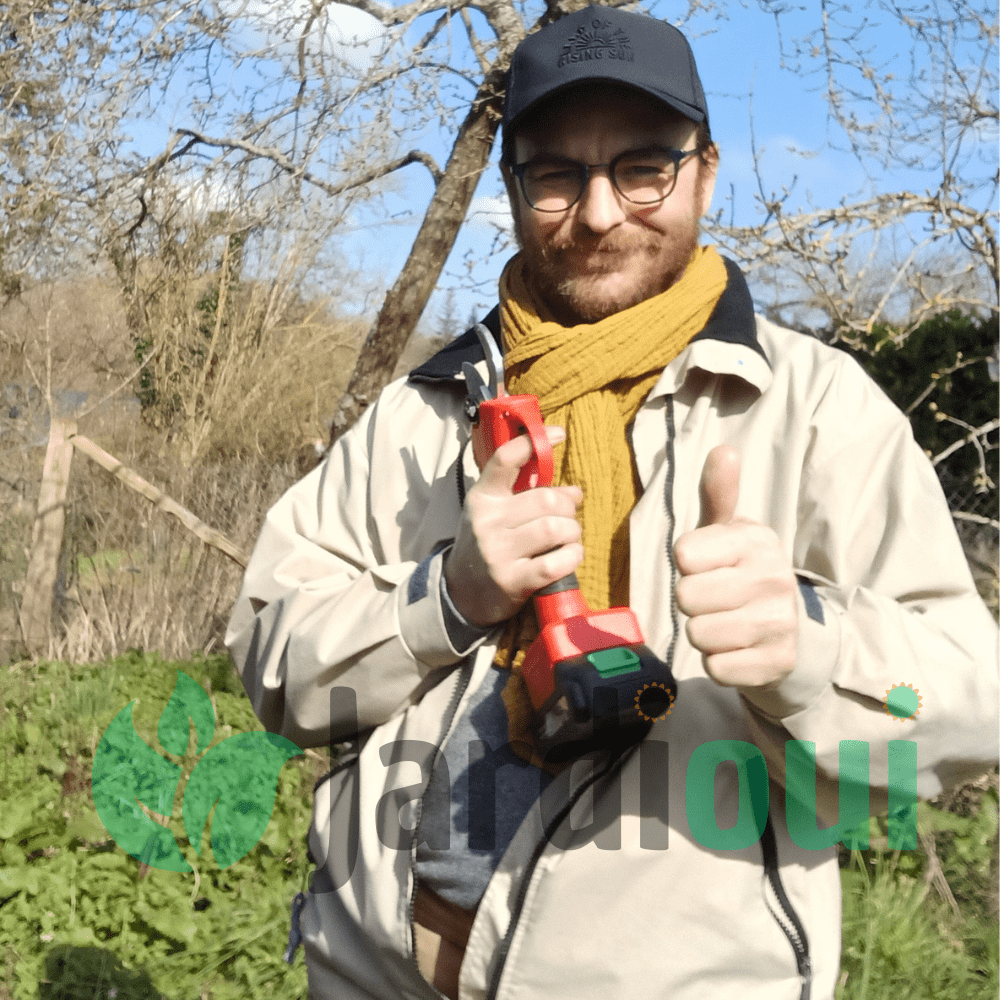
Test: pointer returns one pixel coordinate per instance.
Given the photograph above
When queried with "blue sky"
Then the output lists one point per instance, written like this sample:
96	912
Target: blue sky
740	64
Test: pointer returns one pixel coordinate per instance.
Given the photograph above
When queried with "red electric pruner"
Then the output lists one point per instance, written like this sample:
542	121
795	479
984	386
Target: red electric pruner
591	678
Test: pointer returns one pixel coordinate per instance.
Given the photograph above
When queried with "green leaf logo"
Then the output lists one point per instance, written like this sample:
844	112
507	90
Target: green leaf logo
126	772
239	777
188	700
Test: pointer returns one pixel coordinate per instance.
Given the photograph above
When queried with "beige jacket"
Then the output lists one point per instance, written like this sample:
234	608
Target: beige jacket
621	900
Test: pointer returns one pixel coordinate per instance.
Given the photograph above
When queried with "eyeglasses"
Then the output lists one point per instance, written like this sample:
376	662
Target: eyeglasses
642	177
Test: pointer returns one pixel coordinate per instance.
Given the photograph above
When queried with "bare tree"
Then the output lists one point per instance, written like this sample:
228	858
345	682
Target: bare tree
907	277
447	321
892	255
292	105
83	201
410	84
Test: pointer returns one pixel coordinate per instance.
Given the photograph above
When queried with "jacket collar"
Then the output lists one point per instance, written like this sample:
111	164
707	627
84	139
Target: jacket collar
447	363
727	345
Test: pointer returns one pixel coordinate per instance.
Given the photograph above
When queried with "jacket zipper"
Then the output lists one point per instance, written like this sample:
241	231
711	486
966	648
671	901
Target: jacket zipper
787	919
616	763
668	504
785	915
522	893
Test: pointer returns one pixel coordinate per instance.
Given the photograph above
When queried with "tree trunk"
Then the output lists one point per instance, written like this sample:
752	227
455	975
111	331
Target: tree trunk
406	300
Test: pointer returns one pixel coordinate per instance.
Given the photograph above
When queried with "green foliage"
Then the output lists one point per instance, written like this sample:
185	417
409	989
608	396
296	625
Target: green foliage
941	366
78	915
901	940
901	943
86	973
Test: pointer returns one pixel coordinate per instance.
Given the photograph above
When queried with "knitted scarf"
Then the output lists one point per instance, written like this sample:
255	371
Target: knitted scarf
592	379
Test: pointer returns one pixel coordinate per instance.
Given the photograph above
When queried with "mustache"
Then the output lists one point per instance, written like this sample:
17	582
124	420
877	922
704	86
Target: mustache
602	246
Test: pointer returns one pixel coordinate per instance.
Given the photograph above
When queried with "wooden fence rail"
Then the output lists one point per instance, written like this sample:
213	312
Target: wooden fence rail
209	535
50	519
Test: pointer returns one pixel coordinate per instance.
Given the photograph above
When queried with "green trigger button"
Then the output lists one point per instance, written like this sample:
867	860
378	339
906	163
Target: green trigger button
615	661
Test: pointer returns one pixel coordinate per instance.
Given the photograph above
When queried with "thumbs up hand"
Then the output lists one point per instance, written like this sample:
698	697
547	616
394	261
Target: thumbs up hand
737	586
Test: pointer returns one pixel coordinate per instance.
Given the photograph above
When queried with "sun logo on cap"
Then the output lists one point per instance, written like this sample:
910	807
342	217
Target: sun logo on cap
902	701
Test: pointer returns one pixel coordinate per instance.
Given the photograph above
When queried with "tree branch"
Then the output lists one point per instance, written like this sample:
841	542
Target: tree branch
973	435
935	381
391	17
281	161
961	515
474	43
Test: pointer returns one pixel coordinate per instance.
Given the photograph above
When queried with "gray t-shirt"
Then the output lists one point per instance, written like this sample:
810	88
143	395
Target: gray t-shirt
477	798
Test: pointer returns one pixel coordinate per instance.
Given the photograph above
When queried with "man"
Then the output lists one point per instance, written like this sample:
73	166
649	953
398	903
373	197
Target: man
747	491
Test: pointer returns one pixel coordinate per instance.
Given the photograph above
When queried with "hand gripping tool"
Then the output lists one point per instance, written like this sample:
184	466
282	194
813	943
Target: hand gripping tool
592	680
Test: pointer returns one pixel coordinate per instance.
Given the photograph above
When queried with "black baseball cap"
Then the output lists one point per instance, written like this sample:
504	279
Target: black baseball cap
604	43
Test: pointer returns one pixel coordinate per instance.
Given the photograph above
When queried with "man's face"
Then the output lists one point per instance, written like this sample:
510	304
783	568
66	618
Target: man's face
603	254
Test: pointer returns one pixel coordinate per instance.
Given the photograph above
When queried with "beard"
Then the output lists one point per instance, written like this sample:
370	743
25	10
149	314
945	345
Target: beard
584	278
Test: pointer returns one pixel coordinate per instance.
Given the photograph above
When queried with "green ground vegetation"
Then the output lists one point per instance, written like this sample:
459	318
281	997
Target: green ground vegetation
82	920
919	925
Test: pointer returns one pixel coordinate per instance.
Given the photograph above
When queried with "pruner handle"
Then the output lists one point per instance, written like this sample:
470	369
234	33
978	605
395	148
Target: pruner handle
500	420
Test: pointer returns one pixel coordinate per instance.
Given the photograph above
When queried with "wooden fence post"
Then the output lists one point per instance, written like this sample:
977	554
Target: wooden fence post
46	539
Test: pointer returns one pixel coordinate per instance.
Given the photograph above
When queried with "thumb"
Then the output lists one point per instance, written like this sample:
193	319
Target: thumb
720	486
500	473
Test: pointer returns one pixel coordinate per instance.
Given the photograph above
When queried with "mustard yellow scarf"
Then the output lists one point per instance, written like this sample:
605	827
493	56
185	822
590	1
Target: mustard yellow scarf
592	379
